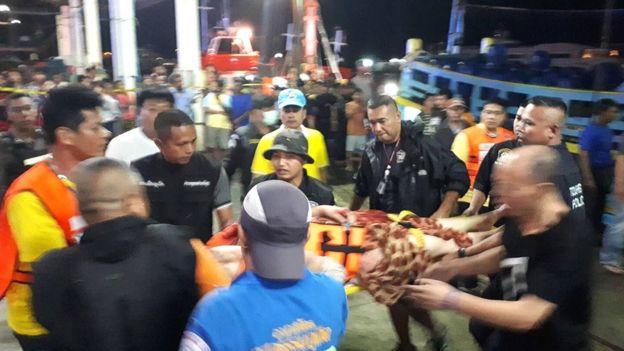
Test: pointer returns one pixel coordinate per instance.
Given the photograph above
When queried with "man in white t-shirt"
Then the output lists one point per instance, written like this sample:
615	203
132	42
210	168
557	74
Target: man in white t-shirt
138	142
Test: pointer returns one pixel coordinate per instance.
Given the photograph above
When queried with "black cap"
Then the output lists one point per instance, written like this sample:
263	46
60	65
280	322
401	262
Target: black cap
291	141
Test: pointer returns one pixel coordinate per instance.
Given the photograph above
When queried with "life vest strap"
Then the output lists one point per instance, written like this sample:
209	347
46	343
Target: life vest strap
22	277
343	248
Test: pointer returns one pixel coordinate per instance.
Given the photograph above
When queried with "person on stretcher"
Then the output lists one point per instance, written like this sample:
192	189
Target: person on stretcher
434	237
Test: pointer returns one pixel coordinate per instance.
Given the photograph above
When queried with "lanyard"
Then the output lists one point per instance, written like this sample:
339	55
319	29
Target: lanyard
389	164
381	187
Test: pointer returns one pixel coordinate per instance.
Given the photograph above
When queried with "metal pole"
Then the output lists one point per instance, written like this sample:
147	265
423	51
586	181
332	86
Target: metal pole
123	41
266	31
205	28
456	25
297	8
92	31
606	25
226	14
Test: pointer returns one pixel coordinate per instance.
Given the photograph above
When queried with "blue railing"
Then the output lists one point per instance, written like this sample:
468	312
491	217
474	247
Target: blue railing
418	78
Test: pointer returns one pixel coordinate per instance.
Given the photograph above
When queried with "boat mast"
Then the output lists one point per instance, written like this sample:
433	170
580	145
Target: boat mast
456	27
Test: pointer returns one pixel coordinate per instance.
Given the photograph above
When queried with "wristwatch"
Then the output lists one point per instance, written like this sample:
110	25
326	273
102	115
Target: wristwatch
461	252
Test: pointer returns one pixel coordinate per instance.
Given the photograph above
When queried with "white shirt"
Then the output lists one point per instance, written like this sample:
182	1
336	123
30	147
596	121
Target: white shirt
110	109
131	146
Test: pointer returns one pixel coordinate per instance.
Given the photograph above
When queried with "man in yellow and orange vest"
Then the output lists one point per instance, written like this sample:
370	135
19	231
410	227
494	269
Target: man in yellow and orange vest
40	210
472	144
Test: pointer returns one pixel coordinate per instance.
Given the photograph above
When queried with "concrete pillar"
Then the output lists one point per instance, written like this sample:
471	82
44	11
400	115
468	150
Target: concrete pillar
92	32
77	36
188	50
123	41
63	38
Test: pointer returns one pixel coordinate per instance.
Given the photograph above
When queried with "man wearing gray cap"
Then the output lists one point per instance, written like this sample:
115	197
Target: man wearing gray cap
288	155
277	302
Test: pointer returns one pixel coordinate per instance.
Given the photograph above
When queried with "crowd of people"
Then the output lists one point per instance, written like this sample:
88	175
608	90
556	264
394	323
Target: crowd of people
107	233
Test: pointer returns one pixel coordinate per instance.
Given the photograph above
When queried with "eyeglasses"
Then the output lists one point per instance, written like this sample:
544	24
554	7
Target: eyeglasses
291	109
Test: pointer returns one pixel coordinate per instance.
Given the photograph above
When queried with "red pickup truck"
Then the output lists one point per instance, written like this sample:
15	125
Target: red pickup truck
231	54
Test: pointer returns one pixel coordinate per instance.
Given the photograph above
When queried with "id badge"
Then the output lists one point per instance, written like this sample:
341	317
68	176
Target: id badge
381	187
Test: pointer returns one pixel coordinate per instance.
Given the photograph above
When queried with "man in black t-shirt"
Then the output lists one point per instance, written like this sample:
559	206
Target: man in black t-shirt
538	123
544	261
184	187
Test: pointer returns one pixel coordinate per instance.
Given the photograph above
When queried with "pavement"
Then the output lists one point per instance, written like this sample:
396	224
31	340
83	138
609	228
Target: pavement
369	326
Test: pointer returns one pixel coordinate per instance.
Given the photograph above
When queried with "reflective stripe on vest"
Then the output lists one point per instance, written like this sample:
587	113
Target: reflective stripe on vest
479	145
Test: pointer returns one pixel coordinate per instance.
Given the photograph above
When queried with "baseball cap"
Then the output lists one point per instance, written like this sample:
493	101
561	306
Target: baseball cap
291	97
292	141
275	216
457	102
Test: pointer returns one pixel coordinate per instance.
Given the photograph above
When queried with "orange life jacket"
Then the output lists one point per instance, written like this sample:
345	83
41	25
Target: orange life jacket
344	246
480	144
329	240
60	202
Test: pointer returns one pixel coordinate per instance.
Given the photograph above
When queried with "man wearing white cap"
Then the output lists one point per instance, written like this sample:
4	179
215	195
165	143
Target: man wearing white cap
277	302
291	104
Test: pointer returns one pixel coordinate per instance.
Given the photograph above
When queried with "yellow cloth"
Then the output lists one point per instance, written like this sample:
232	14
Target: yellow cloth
35	233
214	119
461	147
316	149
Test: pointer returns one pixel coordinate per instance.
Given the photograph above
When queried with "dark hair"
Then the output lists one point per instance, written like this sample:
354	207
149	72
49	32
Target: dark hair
382	100
173	76
81	77
263	102
16	96
169	119
100	84
545	101
446	92
155	94
64	106
496	101
546	167
603	105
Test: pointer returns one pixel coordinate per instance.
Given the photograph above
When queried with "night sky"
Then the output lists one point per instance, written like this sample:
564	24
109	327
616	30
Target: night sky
374	28
380	28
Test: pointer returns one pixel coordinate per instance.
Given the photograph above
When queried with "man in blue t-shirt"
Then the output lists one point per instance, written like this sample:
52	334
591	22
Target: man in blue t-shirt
596	162
276	303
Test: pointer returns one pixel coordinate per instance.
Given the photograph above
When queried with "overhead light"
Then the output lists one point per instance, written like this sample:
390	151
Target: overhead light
244	33
280	82
15	21
368	63
391	89
4	8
